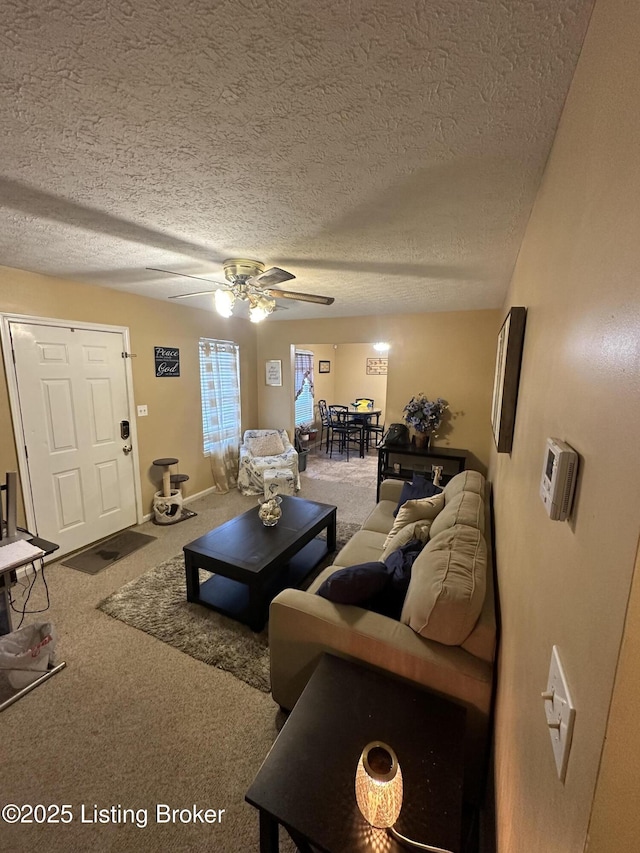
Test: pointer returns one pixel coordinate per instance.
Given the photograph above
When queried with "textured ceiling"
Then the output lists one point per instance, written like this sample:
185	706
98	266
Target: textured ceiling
387	153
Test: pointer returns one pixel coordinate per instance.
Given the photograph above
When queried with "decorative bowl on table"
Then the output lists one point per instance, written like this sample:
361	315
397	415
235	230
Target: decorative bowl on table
270	511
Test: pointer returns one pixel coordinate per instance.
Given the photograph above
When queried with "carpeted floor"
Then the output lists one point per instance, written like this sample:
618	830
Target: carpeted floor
156	604
133	722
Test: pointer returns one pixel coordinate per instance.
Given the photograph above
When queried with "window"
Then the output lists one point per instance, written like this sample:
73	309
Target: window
303	384
220	393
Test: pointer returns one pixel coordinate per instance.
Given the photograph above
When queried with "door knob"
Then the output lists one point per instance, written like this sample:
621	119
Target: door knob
127	449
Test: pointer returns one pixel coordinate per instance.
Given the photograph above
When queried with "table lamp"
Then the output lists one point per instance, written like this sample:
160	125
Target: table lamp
379	785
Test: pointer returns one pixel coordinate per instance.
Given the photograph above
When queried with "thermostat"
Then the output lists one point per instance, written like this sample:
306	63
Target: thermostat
558	478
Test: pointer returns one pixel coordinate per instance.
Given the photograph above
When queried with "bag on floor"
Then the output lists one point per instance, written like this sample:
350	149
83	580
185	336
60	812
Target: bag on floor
26	653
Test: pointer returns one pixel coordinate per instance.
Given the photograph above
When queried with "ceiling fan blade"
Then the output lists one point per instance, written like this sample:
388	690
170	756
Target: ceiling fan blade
188	295
301	297
186	275
274	275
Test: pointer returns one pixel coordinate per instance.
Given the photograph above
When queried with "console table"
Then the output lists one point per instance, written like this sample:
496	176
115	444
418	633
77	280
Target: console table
411	460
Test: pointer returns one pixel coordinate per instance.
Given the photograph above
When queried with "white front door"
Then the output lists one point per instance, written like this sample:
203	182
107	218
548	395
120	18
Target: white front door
72	388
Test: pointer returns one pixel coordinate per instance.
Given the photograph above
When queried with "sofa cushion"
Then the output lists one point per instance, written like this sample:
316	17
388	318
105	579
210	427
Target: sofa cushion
417	530
465	481
447	587
416	510
364	547
418	488
269	444
355	584
380	518
465	508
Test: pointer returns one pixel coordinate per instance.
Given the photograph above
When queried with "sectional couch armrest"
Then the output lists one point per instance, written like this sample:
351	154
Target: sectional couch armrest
302	626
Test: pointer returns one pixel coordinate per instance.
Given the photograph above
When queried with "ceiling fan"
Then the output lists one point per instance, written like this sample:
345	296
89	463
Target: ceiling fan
249	281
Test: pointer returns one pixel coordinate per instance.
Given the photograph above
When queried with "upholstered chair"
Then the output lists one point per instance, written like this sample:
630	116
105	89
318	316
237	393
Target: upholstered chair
262	449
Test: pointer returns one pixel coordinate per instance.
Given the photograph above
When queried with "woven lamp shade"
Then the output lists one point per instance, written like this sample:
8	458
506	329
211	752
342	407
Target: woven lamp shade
379	785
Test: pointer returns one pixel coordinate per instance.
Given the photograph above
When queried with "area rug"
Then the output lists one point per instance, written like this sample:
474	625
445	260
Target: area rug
156	604
105	553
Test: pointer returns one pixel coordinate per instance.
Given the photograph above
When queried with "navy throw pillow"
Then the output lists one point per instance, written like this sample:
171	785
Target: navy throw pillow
399	563
418	488
355	584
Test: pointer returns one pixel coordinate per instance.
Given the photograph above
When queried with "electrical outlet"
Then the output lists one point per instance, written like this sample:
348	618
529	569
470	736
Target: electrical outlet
560	713
143	411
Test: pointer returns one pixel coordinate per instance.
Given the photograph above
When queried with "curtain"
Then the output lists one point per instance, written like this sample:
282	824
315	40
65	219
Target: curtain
303	387
220	393
303	369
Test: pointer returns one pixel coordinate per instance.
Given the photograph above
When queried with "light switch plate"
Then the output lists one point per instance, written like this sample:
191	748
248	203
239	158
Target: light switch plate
142	411
560	713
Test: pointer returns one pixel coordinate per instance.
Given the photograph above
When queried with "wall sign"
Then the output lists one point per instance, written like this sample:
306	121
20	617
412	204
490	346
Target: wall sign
377	366
167	361
273	372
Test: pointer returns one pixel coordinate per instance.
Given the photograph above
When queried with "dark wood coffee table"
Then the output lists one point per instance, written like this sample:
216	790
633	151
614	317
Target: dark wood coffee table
307	781
251	563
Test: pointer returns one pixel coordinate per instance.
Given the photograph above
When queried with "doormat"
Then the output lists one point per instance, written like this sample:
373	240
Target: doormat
108	552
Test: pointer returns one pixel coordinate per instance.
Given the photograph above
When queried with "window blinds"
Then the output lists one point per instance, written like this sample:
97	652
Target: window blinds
220	393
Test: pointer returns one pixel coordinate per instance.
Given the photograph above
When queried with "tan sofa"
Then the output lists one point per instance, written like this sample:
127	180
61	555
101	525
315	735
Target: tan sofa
446	638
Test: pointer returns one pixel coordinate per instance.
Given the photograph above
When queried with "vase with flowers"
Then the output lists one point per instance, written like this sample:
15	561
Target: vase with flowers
425	416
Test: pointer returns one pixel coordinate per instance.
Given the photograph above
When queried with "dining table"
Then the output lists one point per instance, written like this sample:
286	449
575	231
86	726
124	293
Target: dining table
354	412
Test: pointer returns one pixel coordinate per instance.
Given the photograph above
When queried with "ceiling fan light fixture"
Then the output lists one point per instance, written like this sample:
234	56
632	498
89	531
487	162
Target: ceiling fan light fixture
260	308
249	281
224	301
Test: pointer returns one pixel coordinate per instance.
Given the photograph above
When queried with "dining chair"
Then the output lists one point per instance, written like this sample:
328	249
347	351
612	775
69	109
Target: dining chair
343	429
372	430
325	422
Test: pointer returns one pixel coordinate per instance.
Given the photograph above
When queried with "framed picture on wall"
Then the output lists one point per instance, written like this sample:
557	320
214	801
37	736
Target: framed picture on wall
506	379
377	366
273	372
324	367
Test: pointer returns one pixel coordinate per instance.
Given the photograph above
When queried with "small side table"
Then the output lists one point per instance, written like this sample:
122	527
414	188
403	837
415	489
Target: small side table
307	781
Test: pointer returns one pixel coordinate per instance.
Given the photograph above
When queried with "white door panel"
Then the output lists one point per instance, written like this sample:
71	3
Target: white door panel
73	394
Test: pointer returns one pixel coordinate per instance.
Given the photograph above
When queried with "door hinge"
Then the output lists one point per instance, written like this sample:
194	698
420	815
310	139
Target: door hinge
129	355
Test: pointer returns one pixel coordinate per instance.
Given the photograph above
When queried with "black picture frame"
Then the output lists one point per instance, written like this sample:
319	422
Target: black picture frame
167	361
324	367
507	378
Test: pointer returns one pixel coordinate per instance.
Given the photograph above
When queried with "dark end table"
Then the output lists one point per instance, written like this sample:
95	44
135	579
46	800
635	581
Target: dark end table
307	781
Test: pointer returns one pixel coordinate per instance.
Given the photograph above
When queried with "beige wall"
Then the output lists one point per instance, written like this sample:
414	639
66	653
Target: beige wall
173	426
448	355
352	379
567	583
